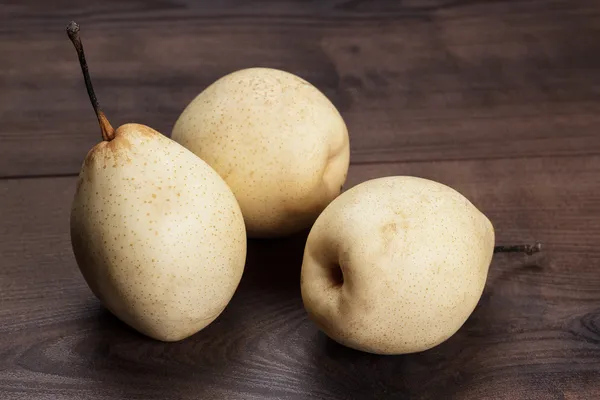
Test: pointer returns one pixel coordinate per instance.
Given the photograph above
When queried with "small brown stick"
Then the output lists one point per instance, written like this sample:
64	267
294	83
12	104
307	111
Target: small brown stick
108	132
528	249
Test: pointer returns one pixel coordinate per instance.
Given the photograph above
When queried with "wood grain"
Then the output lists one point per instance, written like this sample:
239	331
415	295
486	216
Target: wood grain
433	80
535	333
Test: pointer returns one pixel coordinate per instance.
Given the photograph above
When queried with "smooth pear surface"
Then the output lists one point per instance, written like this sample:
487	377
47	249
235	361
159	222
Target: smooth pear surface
396	265
276	140
157	234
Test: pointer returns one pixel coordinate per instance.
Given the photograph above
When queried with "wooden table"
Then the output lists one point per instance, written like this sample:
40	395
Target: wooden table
499	99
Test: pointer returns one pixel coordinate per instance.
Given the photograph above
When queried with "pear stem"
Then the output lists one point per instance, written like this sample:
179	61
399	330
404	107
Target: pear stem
528	249
108	132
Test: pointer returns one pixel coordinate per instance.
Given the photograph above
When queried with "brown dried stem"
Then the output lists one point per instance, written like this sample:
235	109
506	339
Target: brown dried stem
108	132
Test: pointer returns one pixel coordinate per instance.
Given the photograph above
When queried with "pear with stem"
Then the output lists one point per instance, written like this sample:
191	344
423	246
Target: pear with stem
397	264
156	232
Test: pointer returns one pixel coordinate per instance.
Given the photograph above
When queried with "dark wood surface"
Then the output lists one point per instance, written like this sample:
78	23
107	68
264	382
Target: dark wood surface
499	99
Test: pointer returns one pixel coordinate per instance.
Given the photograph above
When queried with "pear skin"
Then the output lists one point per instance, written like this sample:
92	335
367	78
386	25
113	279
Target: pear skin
396	265
278	142
157	234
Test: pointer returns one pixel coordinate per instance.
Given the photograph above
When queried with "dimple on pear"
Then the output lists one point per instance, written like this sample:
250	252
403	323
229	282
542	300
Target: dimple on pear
157	234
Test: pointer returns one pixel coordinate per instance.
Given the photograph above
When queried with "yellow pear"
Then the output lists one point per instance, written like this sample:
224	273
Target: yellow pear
278	142
156	232
396	265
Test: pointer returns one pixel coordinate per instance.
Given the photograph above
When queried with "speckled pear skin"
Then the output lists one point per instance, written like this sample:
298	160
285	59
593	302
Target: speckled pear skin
414	255
157	234
278	142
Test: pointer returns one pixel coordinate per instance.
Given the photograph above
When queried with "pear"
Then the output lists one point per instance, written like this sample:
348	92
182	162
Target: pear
157	234
396	265
278	142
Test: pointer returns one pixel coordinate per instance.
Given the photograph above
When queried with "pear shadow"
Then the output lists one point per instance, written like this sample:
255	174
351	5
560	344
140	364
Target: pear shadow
512	299
440	372
530	265
275	264
117	360
426	374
